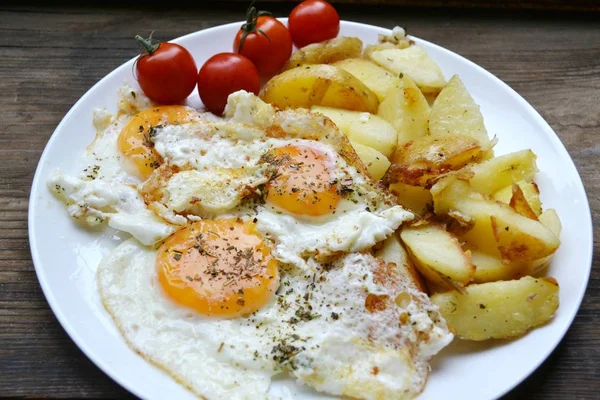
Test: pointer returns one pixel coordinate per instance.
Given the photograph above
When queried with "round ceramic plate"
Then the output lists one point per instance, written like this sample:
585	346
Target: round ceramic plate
66	255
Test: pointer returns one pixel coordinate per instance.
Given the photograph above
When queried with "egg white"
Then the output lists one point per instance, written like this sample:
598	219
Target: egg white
105	188
213	358
315	327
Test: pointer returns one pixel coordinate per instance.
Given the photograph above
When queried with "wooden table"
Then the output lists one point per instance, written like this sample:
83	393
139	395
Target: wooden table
51	56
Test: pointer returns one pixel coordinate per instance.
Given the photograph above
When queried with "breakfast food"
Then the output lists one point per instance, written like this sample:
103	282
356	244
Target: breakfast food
339	229
480	217
252	251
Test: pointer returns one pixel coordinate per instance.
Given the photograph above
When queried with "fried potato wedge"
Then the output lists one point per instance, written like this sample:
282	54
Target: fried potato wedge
490	268
414	62
406	108
529	189
496	173
414	198
364	128
454	112
319	84
529	240
326	52
378	79
376	163
499	310
392	251
437	254
421	161
519	203
497	228
549	218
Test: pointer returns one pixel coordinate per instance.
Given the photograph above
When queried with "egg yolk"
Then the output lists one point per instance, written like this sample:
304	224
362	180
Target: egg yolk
218	268
302	184
135	139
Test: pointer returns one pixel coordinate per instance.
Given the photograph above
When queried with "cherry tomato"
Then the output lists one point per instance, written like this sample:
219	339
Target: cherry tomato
265	41
313	21
223	74
165	71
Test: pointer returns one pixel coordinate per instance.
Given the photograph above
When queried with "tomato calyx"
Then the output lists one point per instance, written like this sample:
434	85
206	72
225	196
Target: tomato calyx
249	26
149	45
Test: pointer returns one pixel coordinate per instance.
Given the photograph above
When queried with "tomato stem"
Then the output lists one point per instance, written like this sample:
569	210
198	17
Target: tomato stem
249	26
146	44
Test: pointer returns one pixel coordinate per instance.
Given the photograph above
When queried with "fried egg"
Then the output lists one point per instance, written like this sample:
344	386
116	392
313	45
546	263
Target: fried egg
251	251
353	328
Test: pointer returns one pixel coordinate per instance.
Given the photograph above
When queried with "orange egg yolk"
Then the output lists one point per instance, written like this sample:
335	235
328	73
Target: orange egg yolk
303	184
135	139
218	268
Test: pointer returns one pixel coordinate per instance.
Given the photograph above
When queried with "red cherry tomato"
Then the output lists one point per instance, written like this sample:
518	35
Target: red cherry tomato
223	74
265	41
313	21
165	71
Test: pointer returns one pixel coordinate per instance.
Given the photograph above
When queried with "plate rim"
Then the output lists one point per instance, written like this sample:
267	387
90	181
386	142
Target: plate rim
94	356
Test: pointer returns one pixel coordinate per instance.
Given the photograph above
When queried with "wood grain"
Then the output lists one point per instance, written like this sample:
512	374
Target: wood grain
50	56
555	5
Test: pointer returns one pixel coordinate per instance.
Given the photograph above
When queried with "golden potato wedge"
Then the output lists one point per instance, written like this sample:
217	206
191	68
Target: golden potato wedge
364	128
454	112
421	161
498	229
518	202
414	198
319	84
549	218
326	52
529	189
499	310
414	62
406	108
437	254
489	268
379	80
494	174
376	163
529	240
392	251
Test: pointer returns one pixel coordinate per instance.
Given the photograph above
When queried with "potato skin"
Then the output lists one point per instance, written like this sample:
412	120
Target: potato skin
421	161
499	310
530	191
319	84
327	52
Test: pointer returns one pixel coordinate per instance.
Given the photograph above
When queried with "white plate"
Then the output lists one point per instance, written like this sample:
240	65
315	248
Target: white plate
66	256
